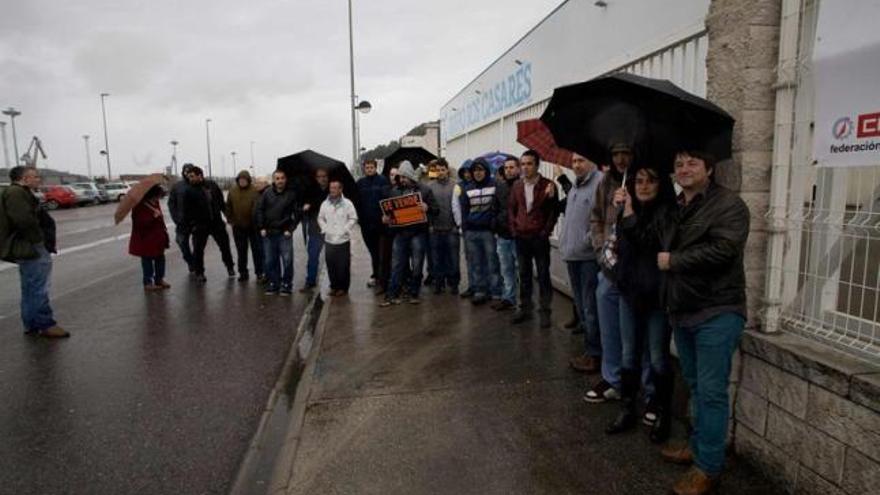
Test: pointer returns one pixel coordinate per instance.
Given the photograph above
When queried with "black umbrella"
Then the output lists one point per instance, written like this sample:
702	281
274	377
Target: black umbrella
414	154
654	116
300	169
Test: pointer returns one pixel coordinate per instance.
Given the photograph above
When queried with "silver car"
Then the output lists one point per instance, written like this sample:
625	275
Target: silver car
115	190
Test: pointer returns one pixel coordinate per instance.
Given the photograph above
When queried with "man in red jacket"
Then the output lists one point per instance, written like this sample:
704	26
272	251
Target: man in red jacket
532	213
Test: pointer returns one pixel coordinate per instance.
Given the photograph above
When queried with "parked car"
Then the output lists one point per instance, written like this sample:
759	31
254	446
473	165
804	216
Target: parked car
84	196
116	190
99	194
59	197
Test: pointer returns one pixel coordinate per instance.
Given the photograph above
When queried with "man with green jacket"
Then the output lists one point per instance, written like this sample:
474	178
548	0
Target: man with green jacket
27	236
240	205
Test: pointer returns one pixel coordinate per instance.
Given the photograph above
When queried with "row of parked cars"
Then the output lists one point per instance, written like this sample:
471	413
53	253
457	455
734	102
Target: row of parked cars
80	194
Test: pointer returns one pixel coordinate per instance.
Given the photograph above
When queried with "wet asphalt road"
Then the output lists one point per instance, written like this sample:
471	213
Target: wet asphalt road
154	393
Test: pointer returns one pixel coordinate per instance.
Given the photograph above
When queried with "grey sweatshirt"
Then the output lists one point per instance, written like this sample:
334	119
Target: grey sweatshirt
443	220
575	243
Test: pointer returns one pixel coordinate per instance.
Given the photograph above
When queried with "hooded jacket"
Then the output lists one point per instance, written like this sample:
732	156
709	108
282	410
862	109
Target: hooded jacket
457	191
202	205
574	240
371	190
443	191
241	203
22	218
476	201
406	170
176	198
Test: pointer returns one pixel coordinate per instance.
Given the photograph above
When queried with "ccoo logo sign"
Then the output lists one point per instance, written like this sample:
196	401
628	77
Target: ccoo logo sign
869	125
842	128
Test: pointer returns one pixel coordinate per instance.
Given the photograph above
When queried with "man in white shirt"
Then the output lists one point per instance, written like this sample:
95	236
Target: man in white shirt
336	220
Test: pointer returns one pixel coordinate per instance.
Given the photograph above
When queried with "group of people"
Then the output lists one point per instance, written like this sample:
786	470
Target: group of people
649	258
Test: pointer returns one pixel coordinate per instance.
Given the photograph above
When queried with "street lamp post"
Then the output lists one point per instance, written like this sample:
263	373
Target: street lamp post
5	145
106	139
88	156
174	144
253	171
208	138
13	113
234	166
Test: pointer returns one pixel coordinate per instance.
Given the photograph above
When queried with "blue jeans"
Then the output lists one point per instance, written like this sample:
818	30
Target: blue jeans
154	269
480	245
407	246
583	275
644	340
36	313
445	247
509	268
705	352
183	241
611	314
315	243
469	265
278	259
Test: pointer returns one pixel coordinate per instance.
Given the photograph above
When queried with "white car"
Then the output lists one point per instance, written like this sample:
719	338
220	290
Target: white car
116	190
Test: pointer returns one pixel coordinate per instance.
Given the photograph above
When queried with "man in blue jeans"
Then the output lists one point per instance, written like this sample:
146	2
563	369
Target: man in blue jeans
504	237
27	236
444	239
577	251
477	216
706	299
273	218
315	196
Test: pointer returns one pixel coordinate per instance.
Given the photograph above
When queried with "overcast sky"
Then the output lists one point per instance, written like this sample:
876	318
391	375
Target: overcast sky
273	72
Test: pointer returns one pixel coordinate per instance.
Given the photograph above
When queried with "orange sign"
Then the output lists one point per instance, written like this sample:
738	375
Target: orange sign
404	210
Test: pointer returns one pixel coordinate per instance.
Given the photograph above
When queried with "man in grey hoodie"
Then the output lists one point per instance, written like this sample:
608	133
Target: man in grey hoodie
444	239
576	248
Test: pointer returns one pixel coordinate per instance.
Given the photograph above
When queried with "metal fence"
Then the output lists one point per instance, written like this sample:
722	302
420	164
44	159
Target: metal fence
824	263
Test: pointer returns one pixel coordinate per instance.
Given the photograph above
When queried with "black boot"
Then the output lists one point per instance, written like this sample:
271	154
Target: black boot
626	419
663	385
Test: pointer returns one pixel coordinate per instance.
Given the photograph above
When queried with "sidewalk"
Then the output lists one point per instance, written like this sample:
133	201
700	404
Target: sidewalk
448	398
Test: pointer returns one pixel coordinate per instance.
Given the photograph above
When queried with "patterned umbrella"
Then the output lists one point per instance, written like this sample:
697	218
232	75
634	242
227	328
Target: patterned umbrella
535	135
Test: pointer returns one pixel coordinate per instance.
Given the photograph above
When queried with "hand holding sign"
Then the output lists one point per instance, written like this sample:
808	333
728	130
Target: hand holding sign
404	210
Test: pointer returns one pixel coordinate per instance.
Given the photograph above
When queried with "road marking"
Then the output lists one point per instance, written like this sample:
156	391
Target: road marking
8	266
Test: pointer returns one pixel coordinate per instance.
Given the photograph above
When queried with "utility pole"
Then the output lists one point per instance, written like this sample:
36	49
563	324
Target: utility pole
106	139
234	166
253	170
208	138
5	145
174	144
13	113
88	157
353	104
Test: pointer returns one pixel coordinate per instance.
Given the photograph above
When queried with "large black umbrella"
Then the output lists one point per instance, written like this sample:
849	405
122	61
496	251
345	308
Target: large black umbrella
414	154
654	116
300	169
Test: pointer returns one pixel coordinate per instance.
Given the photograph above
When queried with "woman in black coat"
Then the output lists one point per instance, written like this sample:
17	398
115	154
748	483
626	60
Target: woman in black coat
647	201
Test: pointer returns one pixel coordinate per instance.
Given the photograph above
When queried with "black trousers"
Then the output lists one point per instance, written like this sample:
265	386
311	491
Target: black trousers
200	240
372	235
534	250
338	257
386	245
244	238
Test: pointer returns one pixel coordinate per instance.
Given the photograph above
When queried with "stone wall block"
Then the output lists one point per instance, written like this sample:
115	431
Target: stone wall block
756	167
763	49
784	430
824	455
850	423
757	128
751	410
758	204
865	390
861	475
810	483
775	463
780	387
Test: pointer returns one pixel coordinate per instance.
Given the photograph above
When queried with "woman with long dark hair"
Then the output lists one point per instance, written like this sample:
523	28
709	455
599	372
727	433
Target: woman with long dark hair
149	239
646	200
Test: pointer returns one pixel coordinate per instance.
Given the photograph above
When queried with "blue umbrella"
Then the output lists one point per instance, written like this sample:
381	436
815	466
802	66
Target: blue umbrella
495	159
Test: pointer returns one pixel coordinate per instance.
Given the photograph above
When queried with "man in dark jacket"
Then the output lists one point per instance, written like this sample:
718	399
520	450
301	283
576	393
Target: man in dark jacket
240	205
175	207
532	214
506	245
477	218
315	196
27	236
274	219
411	241
372	188
706	300
444	239
203	209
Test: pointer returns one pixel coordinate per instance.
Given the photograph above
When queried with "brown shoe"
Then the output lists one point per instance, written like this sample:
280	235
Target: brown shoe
152	288
586	364
694	482
163	284
680	454
54	332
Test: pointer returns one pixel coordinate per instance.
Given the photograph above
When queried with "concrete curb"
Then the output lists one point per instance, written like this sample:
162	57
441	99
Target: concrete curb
298	353
283	470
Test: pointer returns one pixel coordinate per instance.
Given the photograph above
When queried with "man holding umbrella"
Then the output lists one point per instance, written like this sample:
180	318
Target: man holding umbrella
706	299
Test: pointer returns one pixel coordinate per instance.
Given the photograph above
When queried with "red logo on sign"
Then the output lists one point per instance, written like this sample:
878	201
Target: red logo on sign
869	125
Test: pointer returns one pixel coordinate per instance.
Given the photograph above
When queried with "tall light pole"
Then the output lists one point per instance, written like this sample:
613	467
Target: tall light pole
106	139
5	145
354	131
208	138
234	166
13	113
88	156
253	170
174	144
